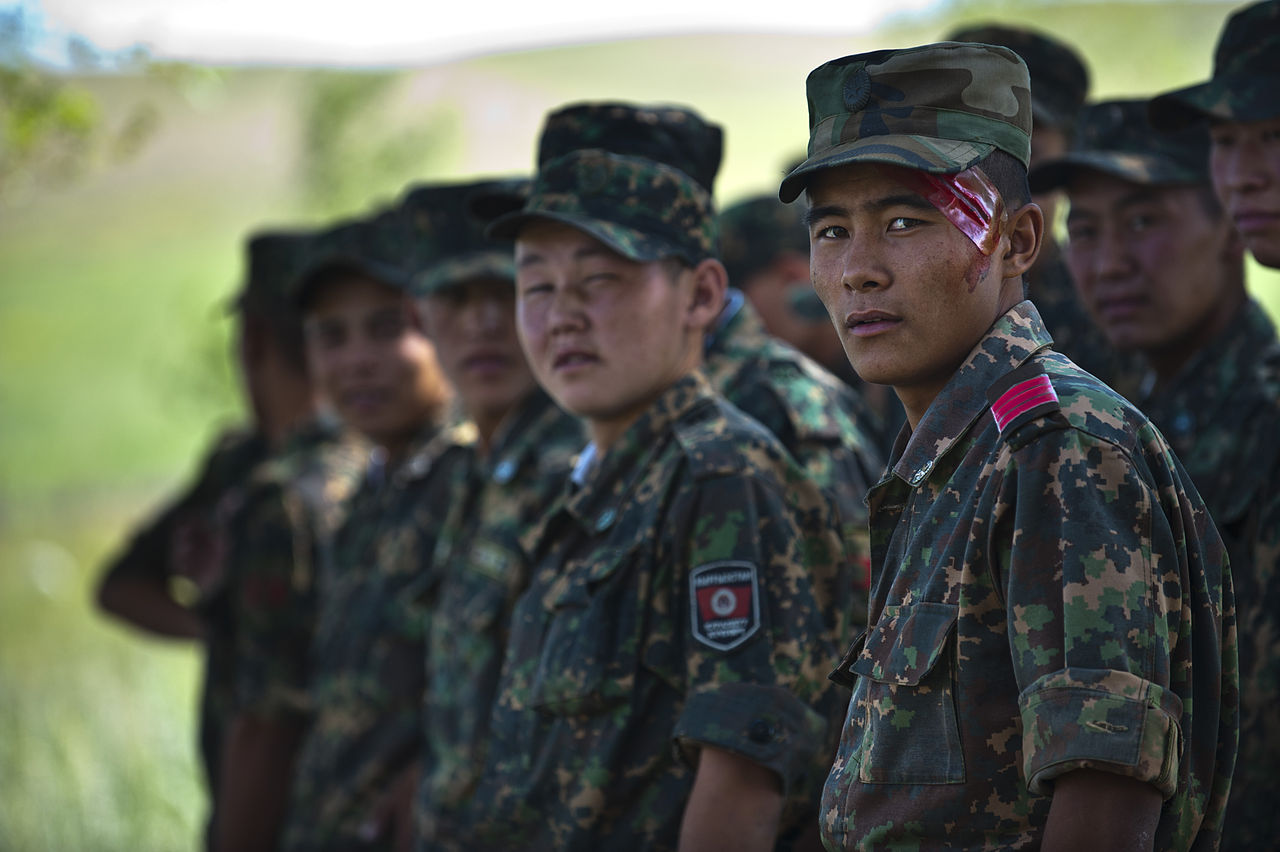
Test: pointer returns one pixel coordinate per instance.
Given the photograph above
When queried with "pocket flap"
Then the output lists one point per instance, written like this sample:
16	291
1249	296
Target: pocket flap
572	588
905	643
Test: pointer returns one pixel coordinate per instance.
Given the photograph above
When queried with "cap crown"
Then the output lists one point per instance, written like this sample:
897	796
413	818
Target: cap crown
1250	43
1059	78
380	245
449	245
275	261
755	231
938	108
673	135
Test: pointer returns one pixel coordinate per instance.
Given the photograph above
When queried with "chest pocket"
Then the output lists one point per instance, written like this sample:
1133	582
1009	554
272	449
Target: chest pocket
590	653
905	697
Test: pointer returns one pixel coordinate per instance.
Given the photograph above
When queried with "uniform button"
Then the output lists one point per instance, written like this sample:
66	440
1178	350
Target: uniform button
919	475
606	518
761	731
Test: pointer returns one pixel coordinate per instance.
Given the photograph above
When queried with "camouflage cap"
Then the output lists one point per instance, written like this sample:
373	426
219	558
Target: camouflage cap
755	231
673	135
1115	138
449	246
1246	75
379	246
505	196
1059	78
274	261
639	208
939	108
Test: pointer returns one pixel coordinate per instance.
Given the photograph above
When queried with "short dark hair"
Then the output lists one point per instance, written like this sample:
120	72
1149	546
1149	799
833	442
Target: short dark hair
1009	176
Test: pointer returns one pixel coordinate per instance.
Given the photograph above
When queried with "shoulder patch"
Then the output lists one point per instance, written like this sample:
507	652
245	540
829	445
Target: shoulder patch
724	603
1020	396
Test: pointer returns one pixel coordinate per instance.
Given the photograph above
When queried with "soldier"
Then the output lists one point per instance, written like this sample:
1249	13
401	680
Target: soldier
510	473
1052	647
356	768
1059	86
1241	105
662	680
275	533
816	417
1238	446
765	248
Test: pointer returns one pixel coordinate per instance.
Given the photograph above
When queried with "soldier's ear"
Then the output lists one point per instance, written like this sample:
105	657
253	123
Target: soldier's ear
1025	233
710	284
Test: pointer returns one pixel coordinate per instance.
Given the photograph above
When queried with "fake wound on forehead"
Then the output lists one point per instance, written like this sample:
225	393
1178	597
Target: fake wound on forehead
968	199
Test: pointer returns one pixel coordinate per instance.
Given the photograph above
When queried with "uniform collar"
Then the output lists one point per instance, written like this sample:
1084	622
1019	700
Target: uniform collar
1015	337
596	504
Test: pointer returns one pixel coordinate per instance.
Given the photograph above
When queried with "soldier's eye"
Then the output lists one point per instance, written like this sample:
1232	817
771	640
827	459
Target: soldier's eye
831	232
902	223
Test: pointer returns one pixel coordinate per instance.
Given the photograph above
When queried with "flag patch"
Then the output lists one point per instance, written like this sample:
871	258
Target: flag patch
724	603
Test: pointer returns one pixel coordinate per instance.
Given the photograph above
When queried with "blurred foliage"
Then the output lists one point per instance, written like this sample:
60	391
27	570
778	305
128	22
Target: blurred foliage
52	130
348	157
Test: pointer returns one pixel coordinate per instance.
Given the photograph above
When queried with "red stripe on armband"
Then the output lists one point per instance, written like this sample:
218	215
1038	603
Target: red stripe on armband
1021	398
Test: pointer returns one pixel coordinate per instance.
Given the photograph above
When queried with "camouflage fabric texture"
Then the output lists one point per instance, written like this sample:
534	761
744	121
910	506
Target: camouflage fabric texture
1116	139
367	655
817	418
677	596
674	135
449	246
1246	75
277	536
1059	78
1221	415
642	209
856	111
1049	598
493	500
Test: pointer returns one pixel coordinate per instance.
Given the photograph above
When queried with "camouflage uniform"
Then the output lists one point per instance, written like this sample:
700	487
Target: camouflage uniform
817	418
650	617
492	498
1016	539
373	598
224	471
1221	415
492	501
812	413
622	645
367	671
277	536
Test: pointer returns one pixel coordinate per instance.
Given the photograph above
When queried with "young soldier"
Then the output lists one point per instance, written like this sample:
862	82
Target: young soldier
509	474
816	417
1059	86
1241	104
662	682
275	534
1162	268
1050	608
365	345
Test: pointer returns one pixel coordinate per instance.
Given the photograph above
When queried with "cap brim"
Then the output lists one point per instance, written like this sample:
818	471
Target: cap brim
1135	168
628	242
382	273
458	270
922	153
488	206
1230	97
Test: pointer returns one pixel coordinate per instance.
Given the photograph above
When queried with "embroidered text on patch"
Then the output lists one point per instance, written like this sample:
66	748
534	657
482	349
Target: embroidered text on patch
724	606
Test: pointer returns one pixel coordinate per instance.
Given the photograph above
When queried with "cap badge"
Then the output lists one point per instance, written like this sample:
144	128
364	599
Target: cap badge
857	89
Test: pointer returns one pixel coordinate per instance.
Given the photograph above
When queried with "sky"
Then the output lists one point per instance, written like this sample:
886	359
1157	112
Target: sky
404	32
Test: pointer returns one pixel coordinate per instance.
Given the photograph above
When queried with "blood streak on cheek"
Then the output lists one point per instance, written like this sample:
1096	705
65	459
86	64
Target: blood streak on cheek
968	199
977	271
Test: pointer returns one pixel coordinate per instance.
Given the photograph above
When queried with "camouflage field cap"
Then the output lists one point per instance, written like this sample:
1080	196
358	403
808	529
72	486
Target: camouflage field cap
667	134
639	208
1115	138
449	243
1059	78
379	246
939	108
274	261
755	231
1246	75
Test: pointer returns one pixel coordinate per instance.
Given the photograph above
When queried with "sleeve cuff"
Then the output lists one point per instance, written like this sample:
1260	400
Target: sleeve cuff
1101	719
765	724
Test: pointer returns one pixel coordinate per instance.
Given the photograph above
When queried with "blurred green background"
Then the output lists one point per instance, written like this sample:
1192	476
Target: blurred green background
118	256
